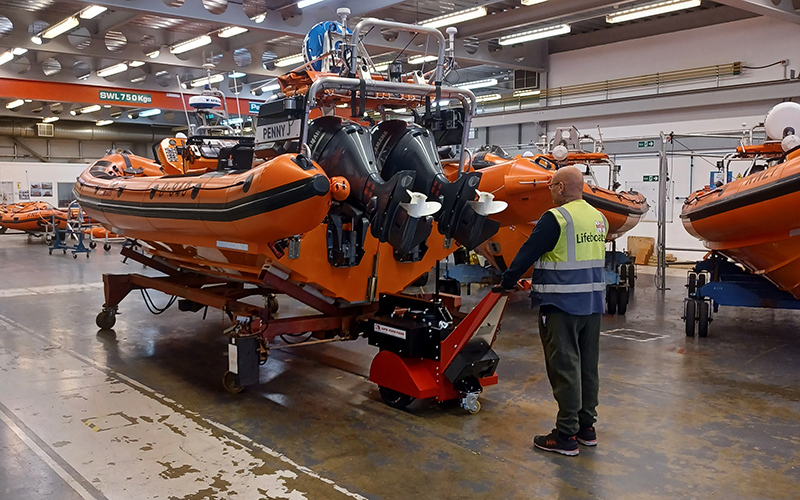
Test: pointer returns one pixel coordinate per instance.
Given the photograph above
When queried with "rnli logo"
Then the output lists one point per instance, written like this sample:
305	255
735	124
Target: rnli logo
600	226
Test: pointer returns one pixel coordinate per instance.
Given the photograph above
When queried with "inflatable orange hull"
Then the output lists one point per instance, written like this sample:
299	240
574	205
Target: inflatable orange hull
234	210
31	217
752	220
523	183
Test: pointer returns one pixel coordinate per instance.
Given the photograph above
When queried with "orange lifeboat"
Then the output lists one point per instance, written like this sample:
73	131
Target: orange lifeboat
32	217
523	182
232	206
752	219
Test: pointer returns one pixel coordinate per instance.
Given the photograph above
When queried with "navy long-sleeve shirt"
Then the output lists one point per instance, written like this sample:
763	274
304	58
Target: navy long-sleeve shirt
542	240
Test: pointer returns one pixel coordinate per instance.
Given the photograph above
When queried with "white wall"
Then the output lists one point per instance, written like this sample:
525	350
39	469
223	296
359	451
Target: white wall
756	42
22	174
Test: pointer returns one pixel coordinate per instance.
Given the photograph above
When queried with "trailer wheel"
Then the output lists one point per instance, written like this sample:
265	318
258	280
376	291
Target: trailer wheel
92	245
107	247
631	276
692	284
622	270
611	299
702	320
622	301
48	239
105	320
230	381
395	399
3	229
689	314
272	303
422	280
701	280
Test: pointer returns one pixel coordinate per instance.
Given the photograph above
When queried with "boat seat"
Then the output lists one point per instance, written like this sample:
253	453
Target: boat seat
237	157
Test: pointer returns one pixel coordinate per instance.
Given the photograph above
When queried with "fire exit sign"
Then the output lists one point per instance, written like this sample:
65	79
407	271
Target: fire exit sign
650	178
647	144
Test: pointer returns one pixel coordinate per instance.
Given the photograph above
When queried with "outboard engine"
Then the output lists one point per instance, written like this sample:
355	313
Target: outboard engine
464	215
392	212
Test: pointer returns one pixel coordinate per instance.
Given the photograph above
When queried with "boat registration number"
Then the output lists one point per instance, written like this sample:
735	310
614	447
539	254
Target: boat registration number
280	131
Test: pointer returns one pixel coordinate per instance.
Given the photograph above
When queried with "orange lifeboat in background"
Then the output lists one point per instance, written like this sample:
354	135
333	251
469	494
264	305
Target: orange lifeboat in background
31	217
523	183
753	219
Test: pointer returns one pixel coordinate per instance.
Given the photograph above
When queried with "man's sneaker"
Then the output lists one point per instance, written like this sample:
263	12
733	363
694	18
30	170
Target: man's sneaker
587	436
557	442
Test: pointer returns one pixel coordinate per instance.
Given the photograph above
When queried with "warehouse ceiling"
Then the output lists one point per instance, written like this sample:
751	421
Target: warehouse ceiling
140	33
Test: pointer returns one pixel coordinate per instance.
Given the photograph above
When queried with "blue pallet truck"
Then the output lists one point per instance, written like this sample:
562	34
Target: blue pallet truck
716	281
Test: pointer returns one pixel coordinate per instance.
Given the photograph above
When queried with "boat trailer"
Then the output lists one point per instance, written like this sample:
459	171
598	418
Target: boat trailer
716	281
428	349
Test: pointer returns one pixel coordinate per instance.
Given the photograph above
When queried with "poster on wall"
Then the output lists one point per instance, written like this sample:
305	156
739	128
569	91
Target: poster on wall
43	189
24	195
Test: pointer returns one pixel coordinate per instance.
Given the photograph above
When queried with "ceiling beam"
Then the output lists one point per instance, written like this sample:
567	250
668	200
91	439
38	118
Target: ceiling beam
29	150
783	10
274	25
653	26
524	16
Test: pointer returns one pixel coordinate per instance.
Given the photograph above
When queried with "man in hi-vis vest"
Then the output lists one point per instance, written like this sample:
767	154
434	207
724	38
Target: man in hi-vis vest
567	252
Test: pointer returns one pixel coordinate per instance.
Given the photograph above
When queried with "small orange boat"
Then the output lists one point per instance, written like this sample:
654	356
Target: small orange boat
523	182
752	219
32	217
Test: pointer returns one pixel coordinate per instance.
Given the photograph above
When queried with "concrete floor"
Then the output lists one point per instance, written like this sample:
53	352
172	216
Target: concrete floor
142	414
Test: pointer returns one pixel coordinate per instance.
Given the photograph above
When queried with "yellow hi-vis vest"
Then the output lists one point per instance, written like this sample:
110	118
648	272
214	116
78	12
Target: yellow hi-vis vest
572	275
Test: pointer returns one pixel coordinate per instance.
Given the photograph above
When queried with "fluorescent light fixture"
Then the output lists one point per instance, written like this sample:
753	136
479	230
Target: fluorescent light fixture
422	59
526	93
36	39
488	97
60	28
532	2
28	100
139	79
231	31
236	74
343	105
537	34
149	112
136	64
380	68
15	104
651	10
206	80
153	54
92	11
106	106
302	4
112	70
18	51
399	110
50	119
103	123
478	84
86	109
5	57
289	60
454	17
200	41
233	121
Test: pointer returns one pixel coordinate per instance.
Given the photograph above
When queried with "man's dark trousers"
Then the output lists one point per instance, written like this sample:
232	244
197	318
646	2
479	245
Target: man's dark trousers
571	350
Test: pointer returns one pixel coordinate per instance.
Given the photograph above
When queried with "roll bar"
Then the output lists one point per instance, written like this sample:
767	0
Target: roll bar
409	28
466	97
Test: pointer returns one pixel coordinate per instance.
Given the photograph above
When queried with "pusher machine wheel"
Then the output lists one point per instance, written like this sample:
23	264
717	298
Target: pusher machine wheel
395	399
470	402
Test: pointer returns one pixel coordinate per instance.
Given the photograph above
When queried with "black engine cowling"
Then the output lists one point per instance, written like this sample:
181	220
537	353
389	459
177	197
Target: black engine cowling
343	148
401	146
